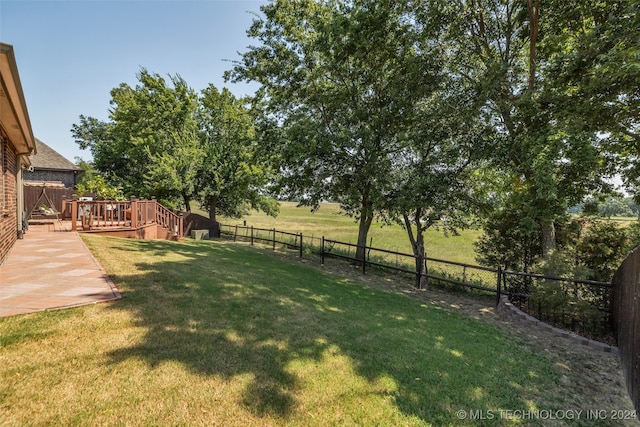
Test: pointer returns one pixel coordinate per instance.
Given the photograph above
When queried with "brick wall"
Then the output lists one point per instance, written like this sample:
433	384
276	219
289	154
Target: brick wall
8	199
68	178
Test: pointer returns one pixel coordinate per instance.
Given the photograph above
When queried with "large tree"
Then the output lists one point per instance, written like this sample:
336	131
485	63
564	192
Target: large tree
434	175
339	83
163	139
234	175
149	146
598	76
504	49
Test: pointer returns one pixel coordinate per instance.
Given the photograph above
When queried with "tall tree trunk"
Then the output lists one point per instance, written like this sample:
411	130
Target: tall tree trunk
187	201
366	218
363	231
417	245
213	205
548	232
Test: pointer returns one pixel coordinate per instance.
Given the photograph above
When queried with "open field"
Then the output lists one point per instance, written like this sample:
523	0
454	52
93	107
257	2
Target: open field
328	221
213	333
623	219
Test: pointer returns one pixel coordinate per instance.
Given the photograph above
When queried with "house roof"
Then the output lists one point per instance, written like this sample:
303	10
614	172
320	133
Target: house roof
14	117
48	158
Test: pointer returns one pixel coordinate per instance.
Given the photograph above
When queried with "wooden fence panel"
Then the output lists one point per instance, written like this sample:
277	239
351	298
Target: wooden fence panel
626	317
46	196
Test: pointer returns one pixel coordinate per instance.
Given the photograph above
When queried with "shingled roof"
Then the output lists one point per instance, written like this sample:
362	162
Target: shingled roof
48	158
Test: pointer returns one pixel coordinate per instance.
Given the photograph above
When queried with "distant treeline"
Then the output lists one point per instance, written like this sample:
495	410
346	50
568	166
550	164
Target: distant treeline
613	206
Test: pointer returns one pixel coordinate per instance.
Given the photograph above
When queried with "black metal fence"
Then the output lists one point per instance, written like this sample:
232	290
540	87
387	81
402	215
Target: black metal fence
435	270
269	236
581	306
626	321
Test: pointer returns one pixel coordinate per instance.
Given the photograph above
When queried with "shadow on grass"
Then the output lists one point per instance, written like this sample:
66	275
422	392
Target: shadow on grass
228	311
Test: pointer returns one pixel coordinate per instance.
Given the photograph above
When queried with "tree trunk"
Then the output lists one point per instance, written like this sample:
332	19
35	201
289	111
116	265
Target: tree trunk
417	245
423	281
213	204
363	231
548	232
187	201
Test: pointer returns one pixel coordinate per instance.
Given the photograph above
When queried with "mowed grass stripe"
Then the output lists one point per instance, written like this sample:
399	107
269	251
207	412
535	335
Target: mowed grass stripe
221	334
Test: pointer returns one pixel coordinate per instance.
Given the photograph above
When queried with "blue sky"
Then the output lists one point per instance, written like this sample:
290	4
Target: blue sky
70	54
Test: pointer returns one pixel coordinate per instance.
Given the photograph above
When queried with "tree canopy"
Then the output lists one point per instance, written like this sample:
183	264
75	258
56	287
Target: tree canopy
418	112
340	82
233	174
533	65
147	146
165	140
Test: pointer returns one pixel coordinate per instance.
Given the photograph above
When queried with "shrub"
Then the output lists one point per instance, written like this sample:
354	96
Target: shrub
602	249
633	236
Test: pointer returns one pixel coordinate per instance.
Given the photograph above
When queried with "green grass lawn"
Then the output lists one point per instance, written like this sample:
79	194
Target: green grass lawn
213	333
328	221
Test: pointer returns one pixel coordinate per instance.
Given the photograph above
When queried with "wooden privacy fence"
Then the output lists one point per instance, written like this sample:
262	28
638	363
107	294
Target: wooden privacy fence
626	320
581	306
36	196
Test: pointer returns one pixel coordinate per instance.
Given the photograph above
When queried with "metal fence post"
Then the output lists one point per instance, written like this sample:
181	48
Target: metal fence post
300	245
235	233
499	285
252	235
364	259
322	251
419	263
274	239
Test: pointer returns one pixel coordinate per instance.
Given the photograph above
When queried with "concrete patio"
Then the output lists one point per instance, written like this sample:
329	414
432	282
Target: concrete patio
51	268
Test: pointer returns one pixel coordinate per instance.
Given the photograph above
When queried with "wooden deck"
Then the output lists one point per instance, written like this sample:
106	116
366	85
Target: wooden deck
140	219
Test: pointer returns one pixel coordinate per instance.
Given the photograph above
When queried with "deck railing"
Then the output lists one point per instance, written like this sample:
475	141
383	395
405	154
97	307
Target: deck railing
131	214
168	219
